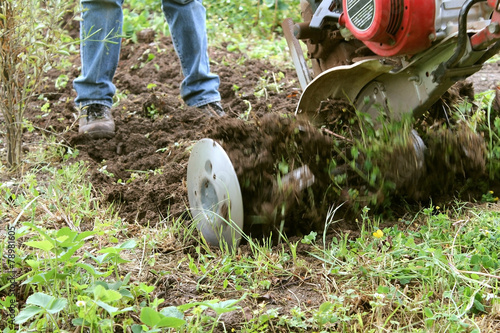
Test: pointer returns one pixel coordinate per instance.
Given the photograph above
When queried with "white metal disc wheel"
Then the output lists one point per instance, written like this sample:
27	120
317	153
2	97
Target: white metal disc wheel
214	194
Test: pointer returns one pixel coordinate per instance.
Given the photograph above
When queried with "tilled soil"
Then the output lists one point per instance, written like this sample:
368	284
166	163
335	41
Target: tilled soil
145	163
142	170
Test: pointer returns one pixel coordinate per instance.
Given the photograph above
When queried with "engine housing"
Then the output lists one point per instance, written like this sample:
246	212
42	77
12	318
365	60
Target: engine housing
391	27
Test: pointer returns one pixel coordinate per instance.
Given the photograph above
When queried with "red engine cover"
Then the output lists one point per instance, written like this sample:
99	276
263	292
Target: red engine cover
391	27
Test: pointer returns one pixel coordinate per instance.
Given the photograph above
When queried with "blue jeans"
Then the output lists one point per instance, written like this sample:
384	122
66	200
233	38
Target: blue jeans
100	51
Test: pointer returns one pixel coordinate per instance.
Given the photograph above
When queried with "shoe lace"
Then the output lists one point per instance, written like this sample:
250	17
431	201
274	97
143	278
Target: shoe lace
216	106
96	111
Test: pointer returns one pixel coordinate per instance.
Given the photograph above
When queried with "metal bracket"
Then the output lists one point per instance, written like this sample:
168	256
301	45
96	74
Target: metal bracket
322	13
298	58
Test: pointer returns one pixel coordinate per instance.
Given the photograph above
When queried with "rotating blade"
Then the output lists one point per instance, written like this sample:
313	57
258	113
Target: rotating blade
214	194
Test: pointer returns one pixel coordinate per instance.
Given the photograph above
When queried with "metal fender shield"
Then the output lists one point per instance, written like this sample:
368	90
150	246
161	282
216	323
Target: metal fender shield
339	82
214	194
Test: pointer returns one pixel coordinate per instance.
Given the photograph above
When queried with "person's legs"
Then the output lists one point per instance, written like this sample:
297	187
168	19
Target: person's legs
99	50
186	20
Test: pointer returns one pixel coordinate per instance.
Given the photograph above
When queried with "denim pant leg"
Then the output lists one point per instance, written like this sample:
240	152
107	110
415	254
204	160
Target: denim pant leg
186	20
99	51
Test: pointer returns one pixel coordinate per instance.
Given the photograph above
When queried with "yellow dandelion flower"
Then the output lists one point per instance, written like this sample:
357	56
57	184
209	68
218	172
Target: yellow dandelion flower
490	192
496	199
378	234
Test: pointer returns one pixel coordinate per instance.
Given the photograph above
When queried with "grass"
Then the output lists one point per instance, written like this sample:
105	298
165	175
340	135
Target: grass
437	271
80	268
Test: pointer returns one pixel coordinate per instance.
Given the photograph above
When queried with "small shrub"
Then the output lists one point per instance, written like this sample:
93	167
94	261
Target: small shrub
31	41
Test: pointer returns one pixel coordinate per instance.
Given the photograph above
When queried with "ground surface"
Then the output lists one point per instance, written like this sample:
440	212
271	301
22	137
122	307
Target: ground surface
151	148
142	170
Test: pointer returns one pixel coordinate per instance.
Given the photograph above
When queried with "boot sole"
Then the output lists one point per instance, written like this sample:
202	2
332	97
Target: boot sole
99	134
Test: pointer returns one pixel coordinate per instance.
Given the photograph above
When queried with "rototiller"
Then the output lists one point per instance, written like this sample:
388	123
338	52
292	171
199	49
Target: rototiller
399	55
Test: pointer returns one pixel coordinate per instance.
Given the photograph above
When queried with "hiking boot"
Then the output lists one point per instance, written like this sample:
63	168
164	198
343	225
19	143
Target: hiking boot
213	109
96	121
